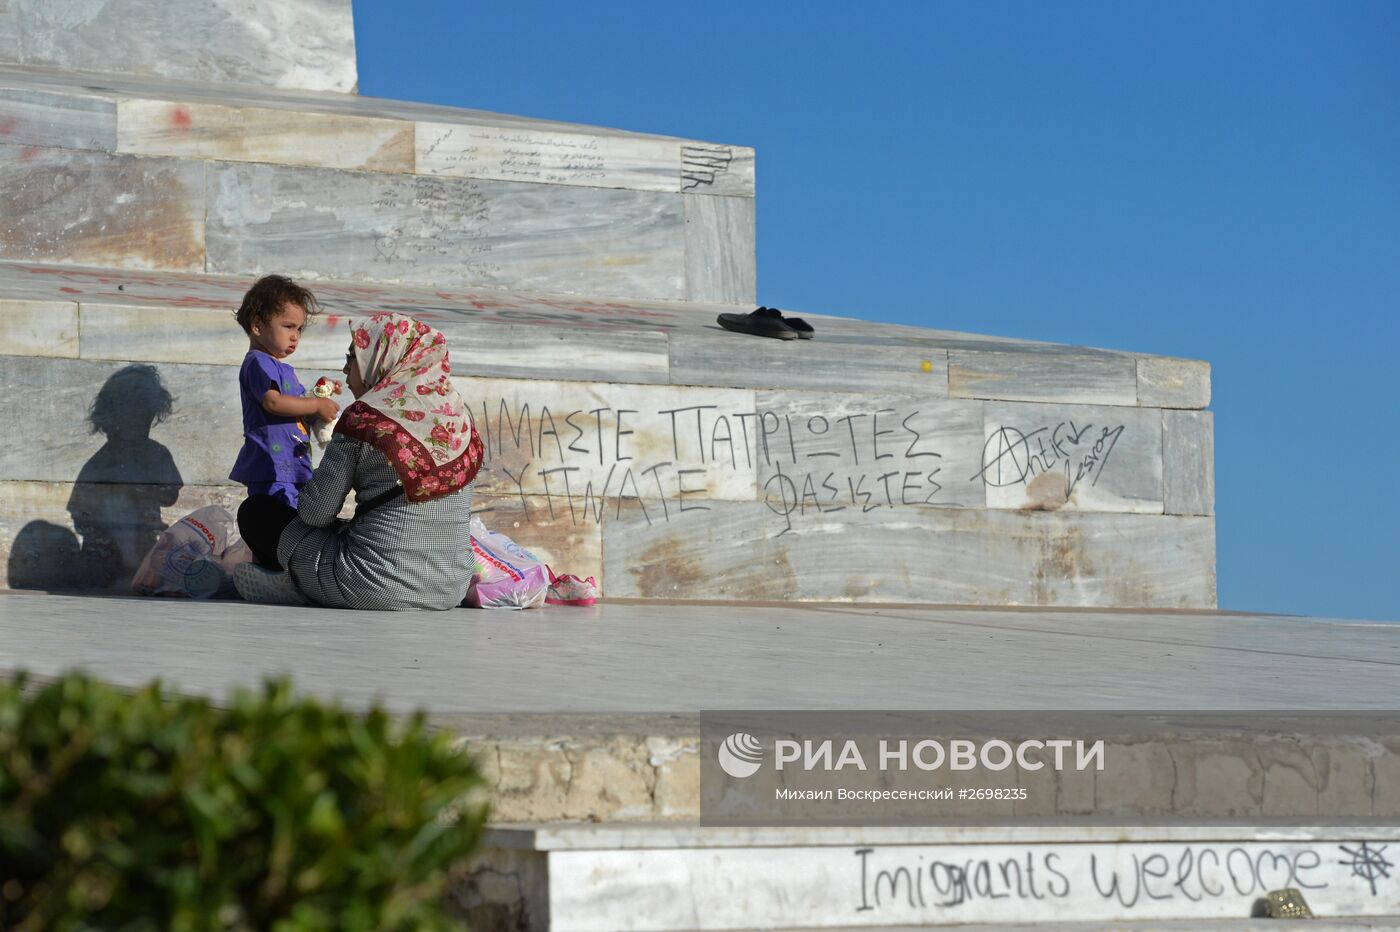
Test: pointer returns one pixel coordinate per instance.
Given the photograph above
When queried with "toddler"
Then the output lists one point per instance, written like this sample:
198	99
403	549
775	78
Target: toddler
275	461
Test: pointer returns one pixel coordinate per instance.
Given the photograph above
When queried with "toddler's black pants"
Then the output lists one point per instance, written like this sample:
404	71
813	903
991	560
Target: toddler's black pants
261	520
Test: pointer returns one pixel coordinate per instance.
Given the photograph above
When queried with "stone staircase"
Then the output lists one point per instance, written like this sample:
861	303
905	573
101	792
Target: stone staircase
147	178
183	177
874	463
578	271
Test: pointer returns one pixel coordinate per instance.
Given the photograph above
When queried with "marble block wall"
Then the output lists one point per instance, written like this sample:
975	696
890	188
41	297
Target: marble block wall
840	484
97	176
308	44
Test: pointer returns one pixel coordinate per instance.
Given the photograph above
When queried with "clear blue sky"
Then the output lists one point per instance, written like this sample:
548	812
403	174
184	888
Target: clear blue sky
1213	180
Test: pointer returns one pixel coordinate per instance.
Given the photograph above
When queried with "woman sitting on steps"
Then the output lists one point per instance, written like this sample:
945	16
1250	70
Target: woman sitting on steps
408	449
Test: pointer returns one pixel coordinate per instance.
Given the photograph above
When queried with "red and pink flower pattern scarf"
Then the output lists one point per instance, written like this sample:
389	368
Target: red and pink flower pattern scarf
409	411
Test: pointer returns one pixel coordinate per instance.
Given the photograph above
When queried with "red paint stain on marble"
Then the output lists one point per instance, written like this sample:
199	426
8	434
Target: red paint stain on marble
180	118
8	125
70	291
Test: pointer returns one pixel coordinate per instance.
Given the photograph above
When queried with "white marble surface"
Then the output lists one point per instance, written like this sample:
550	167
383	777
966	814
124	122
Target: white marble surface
306	44
258	134
66	205
290	99
444	231
42	118
847	356
720	249
123	333
1084	378
39	328
707	354
1165	382
545	156
880	885
1188	462
823	548
676	657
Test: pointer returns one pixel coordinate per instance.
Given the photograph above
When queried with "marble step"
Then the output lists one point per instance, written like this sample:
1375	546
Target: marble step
606	877
288	43
224	122
103	313
859	465
331	186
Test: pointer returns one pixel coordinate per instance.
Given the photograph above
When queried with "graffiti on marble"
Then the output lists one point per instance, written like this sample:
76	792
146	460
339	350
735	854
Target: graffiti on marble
665	461
1079	451
901	881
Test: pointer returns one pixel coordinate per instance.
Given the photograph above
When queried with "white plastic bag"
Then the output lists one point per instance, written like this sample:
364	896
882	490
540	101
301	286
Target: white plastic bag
507	575
194	557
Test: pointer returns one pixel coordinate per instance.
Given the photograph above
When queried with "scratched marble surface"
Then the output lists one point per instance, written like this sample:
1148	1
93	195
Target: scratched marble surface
306	44
66	205
1072	458
70	121
261	134
452	231
547	157
771	551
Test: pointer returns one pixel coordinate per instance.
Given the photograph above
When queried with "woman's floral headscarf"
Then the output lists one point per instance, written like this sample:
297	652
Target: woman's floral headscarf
409	411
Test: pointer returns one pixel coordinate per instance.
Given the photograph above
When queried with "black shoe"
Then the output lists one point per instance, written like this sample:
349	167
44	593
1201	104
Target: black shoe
763	322
804	329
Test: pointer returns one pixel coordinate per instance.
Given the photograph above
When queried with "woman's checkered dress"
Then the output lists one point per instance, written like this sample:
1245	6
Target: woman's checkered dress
400	555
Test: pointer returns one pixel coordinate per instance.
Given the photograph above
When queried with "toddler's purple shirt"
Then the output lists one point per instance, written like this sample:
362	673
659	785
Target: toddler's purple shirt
275	449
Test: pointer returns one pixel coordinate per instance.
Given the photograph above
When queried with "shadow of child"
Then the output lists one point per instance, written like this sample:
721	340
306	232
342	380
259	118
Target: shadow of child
117	499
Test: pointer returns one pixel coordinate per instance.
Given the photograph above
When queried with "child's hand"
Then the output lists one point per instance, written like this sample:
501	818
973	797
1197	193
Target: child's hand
327	409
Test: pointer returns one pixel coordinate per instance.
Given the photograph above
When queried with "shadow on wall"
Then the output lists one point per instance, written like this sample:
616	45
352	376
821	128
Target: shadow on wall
117	498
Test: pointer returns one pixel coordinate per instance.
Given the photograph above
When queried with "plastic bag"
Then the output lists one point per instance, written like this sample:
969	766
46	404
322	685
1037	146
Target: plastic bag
507	575
194	557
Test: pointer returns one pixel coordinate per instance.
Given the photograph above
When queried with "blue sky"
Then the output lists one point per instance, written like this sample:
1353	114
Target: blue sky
1213	180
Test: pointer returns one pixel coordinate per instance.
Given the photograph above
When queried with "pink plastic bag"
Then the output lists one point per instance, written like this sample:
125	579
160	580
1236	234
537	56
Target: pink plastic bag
194	557
507	575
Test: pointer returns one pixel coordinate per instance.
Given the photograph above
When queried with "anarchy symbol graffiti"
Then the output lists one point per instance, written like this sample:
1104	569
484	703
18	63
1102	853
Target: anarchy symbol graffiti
1368	863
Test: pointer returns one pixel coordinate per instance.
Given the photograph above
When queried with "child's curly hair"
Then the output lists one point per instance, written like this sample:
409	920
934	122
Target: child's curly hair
268	296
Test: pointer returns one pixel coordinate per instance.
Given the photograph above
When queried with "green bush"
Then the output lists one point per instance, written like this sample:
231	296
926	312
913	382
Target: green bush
152	811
